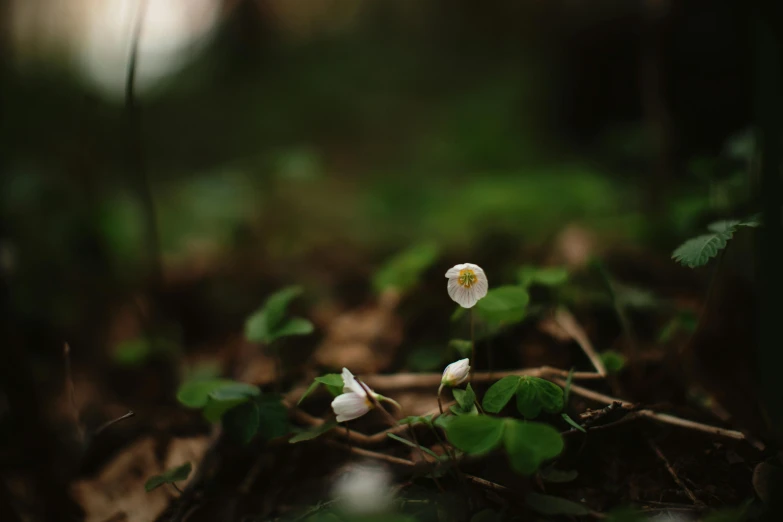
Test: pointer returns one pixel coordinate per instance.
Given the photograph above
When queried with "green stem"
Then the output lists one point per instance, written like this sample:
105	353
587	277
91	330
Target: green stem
472	345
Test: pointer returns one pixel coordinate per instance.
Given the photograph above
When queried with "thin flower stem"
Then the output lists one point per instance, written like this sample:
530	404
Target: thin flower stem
472	344
440	404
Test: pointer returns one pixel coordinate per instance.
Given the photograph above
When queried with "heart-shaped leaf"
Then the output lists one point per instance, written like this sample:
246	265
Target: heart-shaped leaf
528	444
535	394
475	434
498	395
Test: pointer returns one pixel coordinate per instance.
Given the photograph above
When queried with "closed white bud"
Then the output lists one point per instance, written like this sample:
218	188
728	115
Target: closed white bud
456	373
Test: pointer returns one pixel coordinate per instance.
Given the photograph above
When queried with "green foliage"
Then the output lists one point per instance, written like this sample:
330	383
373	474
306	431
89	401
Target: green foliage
613	361
403	271
550	505
413	445
498	395
572	422
699	250
265	416
196	393
314	432
558	476
683	321
332	381
463	346
426	358
170	476
626	514
242	421
417	419
527	444
241	407
465	398
135	352
475	434
269	323
504	305
530	275
533	395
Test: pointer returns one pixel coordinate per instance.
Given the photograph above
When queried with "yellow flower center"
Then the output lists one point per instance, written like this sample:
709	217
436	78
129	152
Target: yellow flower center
467	278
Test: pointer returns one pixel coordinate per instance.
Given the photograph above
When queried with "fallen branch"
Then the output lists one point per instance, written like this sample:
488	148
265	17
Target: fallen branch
662	417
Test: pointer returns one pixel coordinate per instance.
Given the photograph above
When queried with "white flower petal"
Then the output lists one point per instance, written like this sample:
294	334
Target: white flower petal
467	297
454	271
350	384
349	406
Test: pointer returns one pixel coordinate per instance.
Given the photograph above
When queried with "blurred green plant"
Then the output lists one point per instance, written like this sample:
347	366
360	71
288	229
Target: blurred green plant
269	323
241	407
613	361
403	270
170	476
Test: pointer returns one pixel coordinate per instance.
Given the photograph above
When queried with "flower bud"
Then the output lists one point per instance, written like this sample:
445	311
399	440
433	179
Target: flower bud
456	373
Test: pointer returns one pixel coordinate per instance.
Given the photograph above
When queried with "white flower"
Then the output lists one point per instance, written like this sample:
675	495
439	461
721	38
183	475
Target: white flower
354	401
365	489
467	284
456	373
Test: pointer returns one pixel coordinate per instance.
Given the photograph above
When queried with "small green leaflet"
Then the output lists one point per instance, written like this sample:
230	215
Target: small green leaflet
269	323
613	361
698	251
529	444
475	434
558	476
465	398
169	476
404	270
498	395
533	395
332	381
572	422
197	393
550	505
412	445
544	276
314	432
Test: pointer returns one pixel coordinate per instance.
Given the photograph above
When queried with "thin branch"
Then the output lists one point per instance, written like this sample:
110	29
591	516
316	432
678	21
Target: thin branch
705	428
672	472
372	454
425	380
113	422
663	417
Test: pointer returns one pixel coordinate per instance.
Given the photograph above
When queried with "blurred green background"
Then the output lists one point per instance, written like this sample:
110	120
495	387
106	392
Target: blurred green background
276	141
